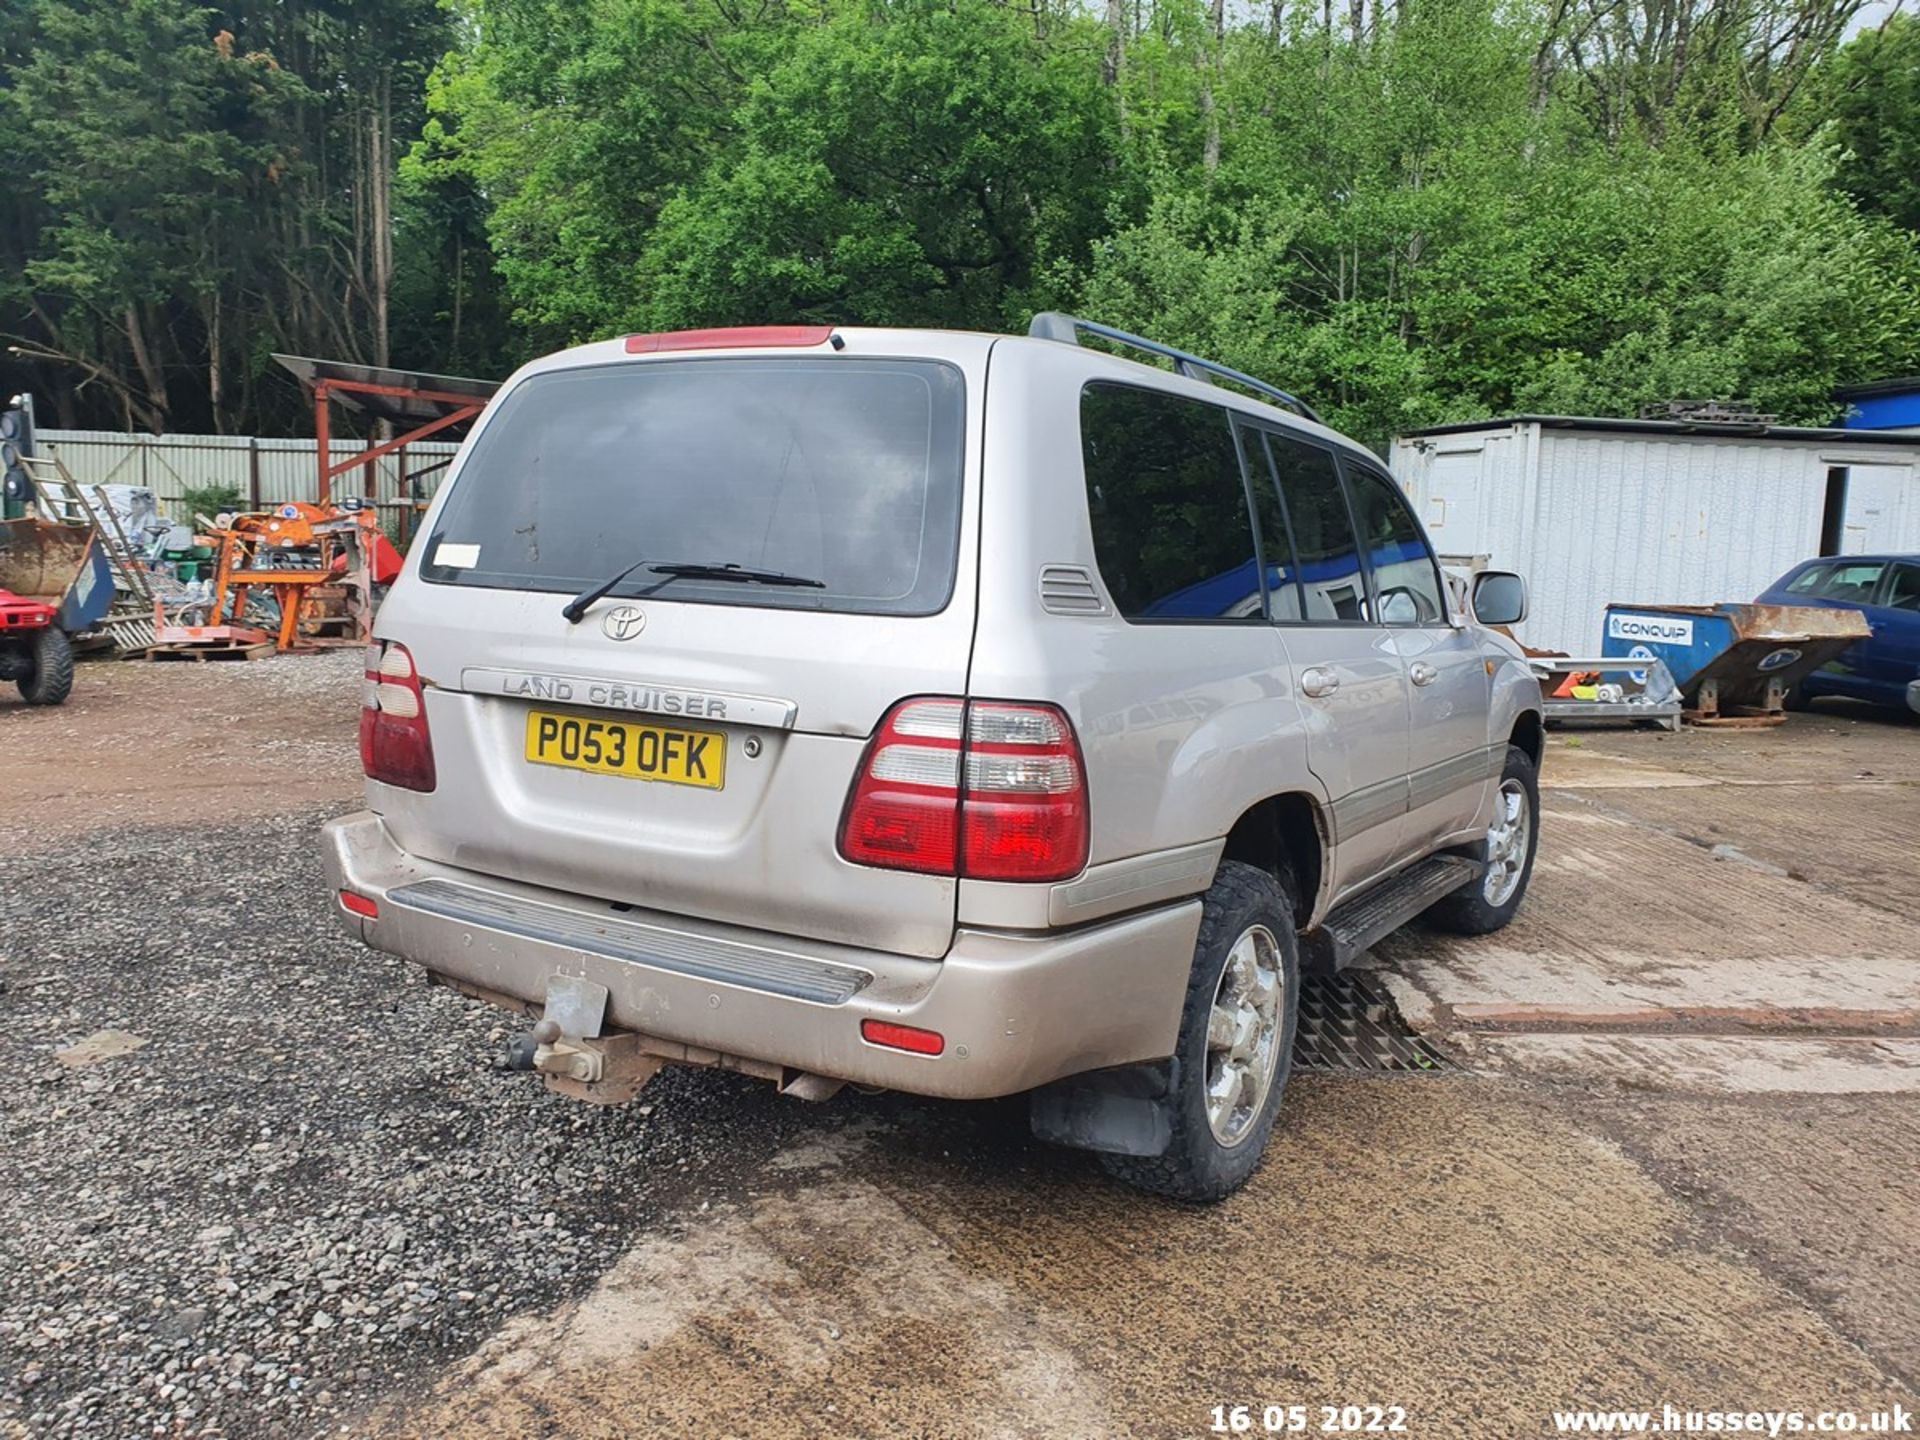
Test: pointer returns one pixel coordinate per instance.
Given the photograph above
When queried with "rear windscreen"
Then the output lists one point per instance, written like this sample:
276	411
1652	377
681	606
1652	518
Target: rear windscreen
845	472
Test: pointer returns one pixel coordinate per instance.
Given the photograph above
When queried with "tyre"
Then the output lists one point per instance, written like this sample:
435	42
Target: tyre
1235	1049
50	680
1486	904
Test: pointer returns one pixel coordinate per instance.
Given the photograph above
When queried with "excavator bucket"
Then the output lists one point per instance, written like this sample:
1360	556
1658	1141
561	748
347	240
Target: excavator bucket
58	565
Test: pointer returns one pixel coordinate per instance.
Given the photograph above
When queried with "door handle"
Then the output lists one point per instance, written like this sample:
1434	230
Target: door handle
1422	673
1318	681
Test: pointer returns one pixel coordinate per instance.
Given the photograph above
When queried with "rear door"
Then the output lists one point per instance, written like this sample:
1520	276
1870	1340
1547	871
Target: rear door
1346	668
689	744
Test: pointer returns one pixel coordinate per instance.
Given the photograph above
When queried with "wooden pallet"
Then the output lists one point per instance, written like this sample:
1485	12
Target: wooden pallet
215	650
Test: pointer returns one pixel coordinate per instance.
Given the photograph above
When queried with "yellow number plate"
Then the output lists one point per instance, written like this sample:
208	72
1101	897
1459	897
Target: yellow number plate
617	747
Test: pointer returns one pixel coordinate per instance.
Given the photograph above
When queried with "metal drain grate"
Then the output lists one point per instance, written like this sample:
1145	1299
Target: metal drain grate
1348	1022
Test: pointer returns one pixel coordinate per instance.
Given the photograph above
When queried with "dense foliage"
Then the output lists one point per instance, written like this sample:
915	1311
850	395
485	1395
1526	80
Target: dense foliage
1408	211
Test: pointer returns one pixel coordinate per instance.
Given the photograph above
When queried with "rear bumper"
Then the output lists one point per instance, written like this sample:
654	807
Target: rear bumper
1016	1009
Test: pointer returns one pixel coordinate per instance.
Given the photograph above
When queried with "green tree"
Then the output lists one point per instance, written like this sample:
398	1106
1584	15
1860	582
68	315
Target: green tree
1870	95
900	160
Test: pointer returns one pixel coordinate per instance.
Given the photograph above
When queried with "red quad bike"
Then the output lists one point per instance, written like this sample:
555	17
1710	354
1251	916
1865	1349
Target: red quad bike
54	583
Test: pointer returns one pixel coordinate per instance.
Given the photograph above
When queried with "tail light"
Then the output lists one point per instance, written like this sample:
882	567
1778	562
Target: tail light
395	748
982	789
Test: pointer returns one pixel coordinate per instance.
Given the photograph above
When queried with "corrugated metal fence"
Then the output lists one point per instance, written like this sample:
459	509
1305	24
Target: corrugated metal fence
264	472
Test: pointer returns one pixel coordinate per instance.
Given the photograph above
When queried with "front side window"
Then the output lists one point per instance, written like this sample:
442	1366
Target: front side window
1332	588
1171	530
842	473
1809	580
1406	582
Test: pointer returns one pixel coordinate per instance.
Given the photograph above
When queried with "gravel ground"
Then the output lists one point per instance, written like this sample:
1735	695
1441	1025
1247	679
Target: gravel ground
311	1183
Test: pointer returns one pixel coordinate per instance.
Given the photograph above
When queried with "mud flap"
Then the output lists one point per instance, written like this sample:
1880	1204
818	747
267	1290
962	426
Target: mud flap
1122	1111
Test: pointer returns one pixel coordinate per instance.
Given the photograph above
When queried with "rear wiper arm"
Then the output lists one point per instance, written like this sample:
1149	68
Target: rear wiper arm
745	574
584	601
684	570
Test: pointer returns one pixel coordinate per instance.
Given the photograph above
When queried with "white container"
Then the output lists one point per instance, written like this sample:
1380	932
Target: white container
1654	511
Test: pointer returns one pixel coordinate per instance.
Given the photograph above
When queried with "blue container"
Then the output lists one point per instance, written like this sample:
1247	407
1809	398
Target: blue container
1742	657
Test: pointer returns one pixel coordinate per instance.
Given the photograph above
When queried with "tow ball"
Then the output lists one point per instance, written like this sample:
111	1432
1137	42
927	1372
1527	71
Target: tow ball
609	1070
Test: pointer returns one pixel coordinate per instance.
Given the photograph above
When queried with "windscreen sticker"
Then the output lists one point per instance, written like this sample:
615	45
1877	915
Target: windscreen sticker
456	557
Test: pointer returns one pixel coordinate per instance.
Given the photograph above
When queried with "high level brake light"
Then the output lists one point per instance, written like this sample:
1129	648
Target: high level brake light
395	748
742	337
982	789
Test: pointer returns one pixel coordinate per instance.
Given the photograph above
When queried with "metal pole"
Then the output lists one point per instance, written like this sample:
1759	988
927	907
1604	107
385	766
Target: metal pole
253	472
322	428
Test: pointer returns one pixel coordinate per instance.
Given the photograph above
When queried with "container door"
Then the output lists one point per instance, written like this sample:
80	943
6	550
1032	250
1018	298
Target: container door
1878	497
1452	509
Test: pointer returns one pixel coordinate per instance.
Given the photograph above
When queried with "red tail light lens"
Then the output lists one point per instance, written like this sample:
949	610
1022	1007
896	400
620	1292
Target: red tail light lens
1025	814
905	810
987	790
395	748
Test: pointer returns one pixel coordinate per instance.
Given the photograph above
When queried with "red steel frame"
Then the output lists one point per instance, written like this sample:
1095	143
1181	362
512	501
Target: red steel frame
466	408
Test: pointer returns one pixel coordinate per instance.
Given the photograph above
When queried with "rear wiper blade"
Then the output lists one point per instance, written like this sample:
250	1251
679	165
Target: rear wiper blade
584	601
745	574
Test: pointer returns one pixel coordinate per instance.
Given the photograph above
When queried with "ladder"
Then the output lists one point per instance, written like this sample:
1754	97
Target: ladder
62	499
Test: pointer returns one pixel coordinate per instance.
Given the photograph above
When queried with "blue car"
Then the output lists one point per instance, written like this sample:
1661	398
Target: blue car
1885	589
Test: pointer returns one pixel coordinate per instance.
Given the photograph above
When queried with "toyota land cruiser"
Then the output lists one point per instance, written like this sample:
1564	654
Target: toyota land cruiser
955	713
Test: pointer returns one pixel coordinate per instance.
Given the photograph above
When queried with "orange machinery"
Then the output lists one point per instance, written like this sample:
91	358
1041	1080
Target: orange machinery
319	561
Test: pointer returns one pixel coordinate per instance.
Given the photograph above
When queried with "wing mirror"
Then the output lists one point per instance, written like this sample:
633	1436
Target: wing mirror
1499	598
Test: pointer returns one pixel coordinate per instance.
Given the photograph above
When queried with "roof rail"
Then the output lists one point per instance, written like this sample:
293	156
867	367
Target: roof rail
1057	325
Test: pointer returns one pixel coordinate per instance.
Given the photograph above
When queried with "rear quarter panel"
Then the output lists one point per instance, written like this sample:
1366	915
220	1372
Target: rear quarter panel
1183	725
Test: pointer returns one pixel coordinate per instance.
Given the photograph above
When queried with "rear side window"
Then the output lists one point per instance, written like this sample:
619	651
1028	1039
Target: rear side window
842	471
1168	506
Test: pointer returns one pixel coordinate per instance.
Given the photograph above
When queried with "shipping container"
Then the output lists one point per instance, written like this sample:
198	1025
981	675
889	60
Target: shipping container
1672	512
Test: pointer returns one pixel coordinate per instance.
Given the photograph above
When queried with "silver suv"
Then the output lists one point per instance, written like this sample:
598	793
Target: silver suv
960	714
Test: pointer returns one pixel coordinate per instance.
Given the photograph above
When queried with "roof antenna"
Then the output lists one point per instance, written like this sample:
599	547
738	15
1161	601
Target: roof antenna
837	341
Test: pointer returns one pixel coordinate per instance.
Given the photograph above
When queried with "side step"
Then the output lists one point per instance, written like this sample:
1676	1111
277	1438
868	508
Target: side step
1360	923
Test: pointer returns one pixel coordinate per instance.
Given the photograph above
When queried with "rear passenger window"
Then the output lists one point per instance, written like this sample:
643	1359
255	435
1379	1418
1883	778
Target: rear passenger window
1332	588
1169	509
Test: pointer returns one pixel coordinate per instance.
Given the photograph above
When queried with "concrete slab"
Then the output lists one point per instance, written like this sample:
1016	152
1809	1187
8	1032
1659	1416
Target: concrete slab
1729	1064
1820	1192
1858	838
1627	927
1830	744
1572	766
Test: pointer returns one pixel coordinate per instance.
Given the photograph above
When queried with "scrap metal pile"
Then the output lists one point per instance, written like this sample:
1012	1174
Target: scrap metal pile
297	577
233	586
